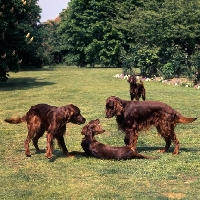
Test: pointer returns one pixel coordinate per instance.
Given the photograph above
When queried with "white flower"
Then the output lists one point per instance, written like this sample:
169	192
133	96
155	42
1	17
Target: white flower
11	10
19	61
28	34
4	56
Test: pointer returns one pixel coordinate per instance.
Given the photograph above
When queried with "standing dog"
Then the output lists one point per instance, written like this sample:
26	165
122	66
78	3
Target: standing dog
43	117
93	148
136	89
134	116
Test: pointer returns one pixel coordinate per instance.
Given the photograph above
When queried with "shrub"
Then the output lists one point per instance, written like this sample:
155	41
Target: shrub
168	71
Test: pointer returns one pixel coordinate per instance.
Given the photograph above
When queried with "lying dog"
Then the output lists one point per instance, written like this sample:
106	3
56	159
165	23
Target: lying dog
136	89
95	149
43	117
134	116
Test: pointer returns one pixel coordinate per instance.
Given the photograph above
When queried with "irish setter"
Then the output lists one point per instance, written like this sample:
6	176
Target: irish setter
134	116
95	149
43	117
136	89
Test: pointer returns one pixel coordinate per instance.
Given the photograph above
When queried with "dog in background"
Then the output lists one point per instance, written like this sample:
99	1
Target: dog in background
43	117
134	116
136	89
98	150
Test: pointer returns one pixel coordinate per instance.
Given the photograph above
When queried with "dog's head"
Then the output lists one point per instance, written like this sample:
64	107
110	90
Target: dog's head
73	114
113	107
92	128
132	79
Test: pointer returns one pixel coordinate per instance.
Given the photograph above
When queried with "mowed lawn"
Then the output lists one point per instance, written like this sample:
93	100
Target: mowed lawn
36	177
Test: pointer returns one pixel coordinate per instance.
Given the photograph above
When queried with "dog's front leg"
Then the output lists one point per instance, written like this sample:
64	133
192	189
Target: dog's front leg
132	95
131	138
134	139
61	143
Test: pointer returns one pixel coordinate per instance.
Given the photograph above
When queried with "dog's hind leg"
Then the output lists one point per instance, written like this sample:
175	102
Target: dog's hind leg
167	132
167	144
33	125
176	144
26	144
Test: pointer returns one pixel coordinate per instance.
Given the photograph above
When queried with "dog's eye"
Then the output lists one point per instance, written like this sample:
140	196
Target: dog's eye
109	106
76	114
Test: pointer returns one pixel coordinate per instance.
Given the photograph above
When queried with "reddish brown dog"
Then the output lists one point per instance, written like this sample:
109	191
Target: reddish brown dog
43	117
134	116
136	89
98	150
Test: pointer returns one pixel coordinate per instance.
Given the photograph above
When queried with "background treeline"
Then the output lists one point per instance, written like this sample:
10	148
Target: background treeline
161	37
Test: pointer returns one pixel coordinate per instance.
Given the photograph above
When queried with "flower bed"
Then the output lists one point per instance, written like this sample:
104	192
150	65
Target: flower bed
175	81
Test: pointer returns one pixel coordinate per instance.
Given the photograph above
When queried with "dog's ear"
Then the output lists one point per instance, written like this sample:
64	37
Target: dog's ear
69	111
118	108
87	129
97	121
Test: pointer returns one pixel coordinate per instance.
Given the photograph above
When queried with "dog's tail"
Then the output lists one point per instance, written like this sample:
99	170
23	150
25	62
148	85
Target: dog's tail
185	120
15	120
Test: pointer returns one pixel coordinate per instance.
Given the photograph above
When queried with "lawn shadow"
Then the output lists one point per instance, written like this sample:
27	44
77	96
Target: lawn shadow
171	149
33	151
24	83
146	148
78	154
73	154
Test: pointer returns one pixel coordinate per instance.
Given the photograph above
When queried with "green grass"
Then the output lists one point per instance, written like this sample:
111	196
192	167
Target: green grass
36	177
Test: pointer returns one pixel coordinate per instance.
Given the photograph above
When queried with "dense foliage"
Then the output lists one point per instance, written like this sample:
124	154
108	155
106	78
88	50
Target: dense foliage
156	36
161	37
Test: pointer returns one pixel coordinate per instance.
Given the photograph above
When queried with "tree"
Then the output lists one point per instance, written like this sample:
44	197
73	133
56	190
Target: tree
50	49
18	29
90	38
